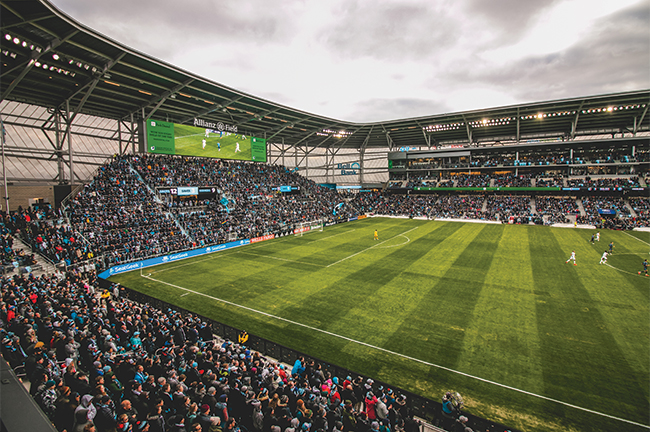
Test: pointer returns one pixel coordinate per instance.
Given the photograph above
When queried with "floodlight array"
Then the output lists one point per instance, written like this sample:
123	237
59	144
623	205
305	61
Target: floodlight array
443	127
612	109
22	42
333	133
545	115
491	122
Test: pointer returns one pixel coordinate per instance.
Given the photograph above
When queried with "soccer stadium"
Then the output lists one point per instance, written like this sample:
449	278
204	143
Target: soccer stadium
179	255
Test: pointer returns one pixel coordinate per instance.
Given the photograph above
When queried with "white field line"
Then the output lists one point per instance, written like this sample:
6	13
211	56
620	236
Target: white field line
379	244
636	238
401	355
401	244
624	271
218	255
280	259
187	293
344	232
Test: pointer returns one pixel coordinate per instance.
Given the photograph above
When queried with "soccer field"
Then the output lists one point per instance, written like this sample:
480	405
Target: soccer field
491	311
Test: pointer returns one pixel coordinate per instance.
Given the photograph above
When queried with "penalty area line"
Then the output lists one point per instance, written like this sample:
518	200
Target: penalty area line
636	238
280	259
371	247
400	355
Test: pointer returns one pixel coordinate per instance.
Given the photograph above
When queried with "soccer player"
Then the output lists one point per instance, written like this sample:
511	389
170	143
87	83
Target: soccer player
603	259
207	133
237	147
572	257
218	146
376	235
592	239
611	247
598	236
645	267
204	143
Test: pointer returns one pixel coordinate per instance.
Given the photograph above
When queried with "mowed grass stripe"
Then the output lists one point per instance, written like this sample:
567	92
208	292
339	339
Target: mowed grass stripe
504	327
580	358
340	294
437	327
398	293
315	249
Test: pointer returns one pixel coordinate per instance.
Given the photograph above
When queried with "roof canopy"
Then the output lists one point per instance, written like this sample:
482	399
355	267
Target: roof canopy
50	60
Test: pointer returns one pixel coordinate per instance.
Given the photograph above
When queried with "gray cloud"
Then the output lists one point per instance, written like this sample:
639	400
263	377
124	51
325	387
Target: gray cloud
507	18
163	27
392	109
614	57
389	30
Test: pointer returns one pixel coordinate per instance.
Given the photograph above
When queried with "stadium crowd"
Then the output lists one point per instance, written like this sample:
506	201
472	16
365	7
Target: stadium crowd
96	360
118	217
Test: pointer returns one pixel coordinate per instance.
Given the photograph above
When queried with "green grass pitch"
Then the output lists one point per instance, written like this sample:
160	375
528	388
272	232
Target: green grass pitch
495	302
190	143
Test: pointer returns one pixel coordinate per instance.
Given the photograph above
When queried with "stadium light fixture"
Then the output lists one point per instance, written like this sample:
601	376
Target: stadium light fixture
37	64
44	66
55	56
16	40
24	44
8	36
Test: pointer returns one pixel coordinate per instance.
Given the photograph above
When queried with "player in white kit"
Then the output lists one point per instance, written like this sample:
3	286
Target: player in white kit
204	143
572	258
237	148
207	133
603	259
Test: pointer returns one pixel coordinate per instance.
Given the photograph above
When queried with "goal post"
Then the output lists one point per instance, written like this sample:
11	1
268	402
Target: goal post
311	226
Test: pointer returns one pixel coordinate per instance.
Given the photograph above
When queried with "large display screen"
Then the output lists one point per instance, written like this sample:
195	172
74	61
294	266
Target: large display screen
177	139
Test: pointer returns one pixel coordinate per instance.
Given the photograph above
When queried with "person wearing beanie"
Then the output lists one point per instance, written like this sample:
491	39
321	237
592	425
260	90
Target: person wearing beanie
46	398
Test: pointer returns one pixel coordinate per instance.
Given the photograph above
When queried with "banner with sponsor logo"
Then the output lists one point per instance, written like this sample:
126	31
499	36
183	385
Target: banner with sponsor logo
263	238
122	268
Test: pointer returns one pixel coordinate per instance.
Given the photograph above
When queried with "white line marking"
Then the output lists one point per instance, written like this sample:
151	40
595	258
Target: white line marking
344	232
187	293
401	355
280	259
401	244
624	271
353	255
636	238
215	255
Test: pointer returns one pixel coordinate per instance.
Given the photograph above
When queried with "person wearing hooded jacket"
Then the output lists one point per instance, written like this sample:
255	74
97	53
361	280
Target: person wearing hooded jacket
371	403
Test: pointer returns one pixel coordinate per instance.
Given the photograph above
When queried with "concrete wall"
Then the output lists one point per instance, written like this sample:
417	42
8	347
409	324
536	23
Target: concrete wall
25	195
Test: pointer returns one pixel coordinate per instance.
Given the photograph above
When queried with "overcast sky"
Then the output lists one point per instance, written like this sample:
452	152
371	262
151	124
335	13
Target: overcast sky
372	60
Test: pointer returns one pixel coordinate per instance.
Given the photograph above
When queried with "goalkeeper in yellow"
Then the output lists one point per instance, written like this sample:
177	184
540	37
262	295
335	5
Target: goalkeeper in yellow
376	235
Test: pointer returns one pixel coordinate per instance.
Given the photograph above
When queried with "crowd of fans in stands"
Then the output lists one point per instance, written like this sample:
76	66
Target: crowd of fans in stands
556	209
607	182
119	218
98	361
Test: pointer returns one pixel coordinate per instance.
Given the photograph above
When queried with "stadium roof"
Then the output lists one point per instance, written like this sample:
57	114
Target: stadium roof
49	59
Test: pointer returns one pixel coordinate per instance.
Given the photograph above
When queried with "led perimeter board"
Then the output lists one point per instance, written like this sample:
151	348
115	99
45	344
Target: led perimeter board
177	139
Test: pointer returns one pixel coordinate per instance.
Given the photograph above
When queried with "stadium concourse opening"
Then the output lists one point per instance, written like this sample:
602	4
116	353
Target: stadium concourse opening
295	271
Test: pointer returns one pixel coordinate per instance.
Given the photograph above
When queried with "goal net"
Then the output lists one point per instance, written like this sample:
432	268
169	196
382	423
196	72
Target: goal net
310	226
